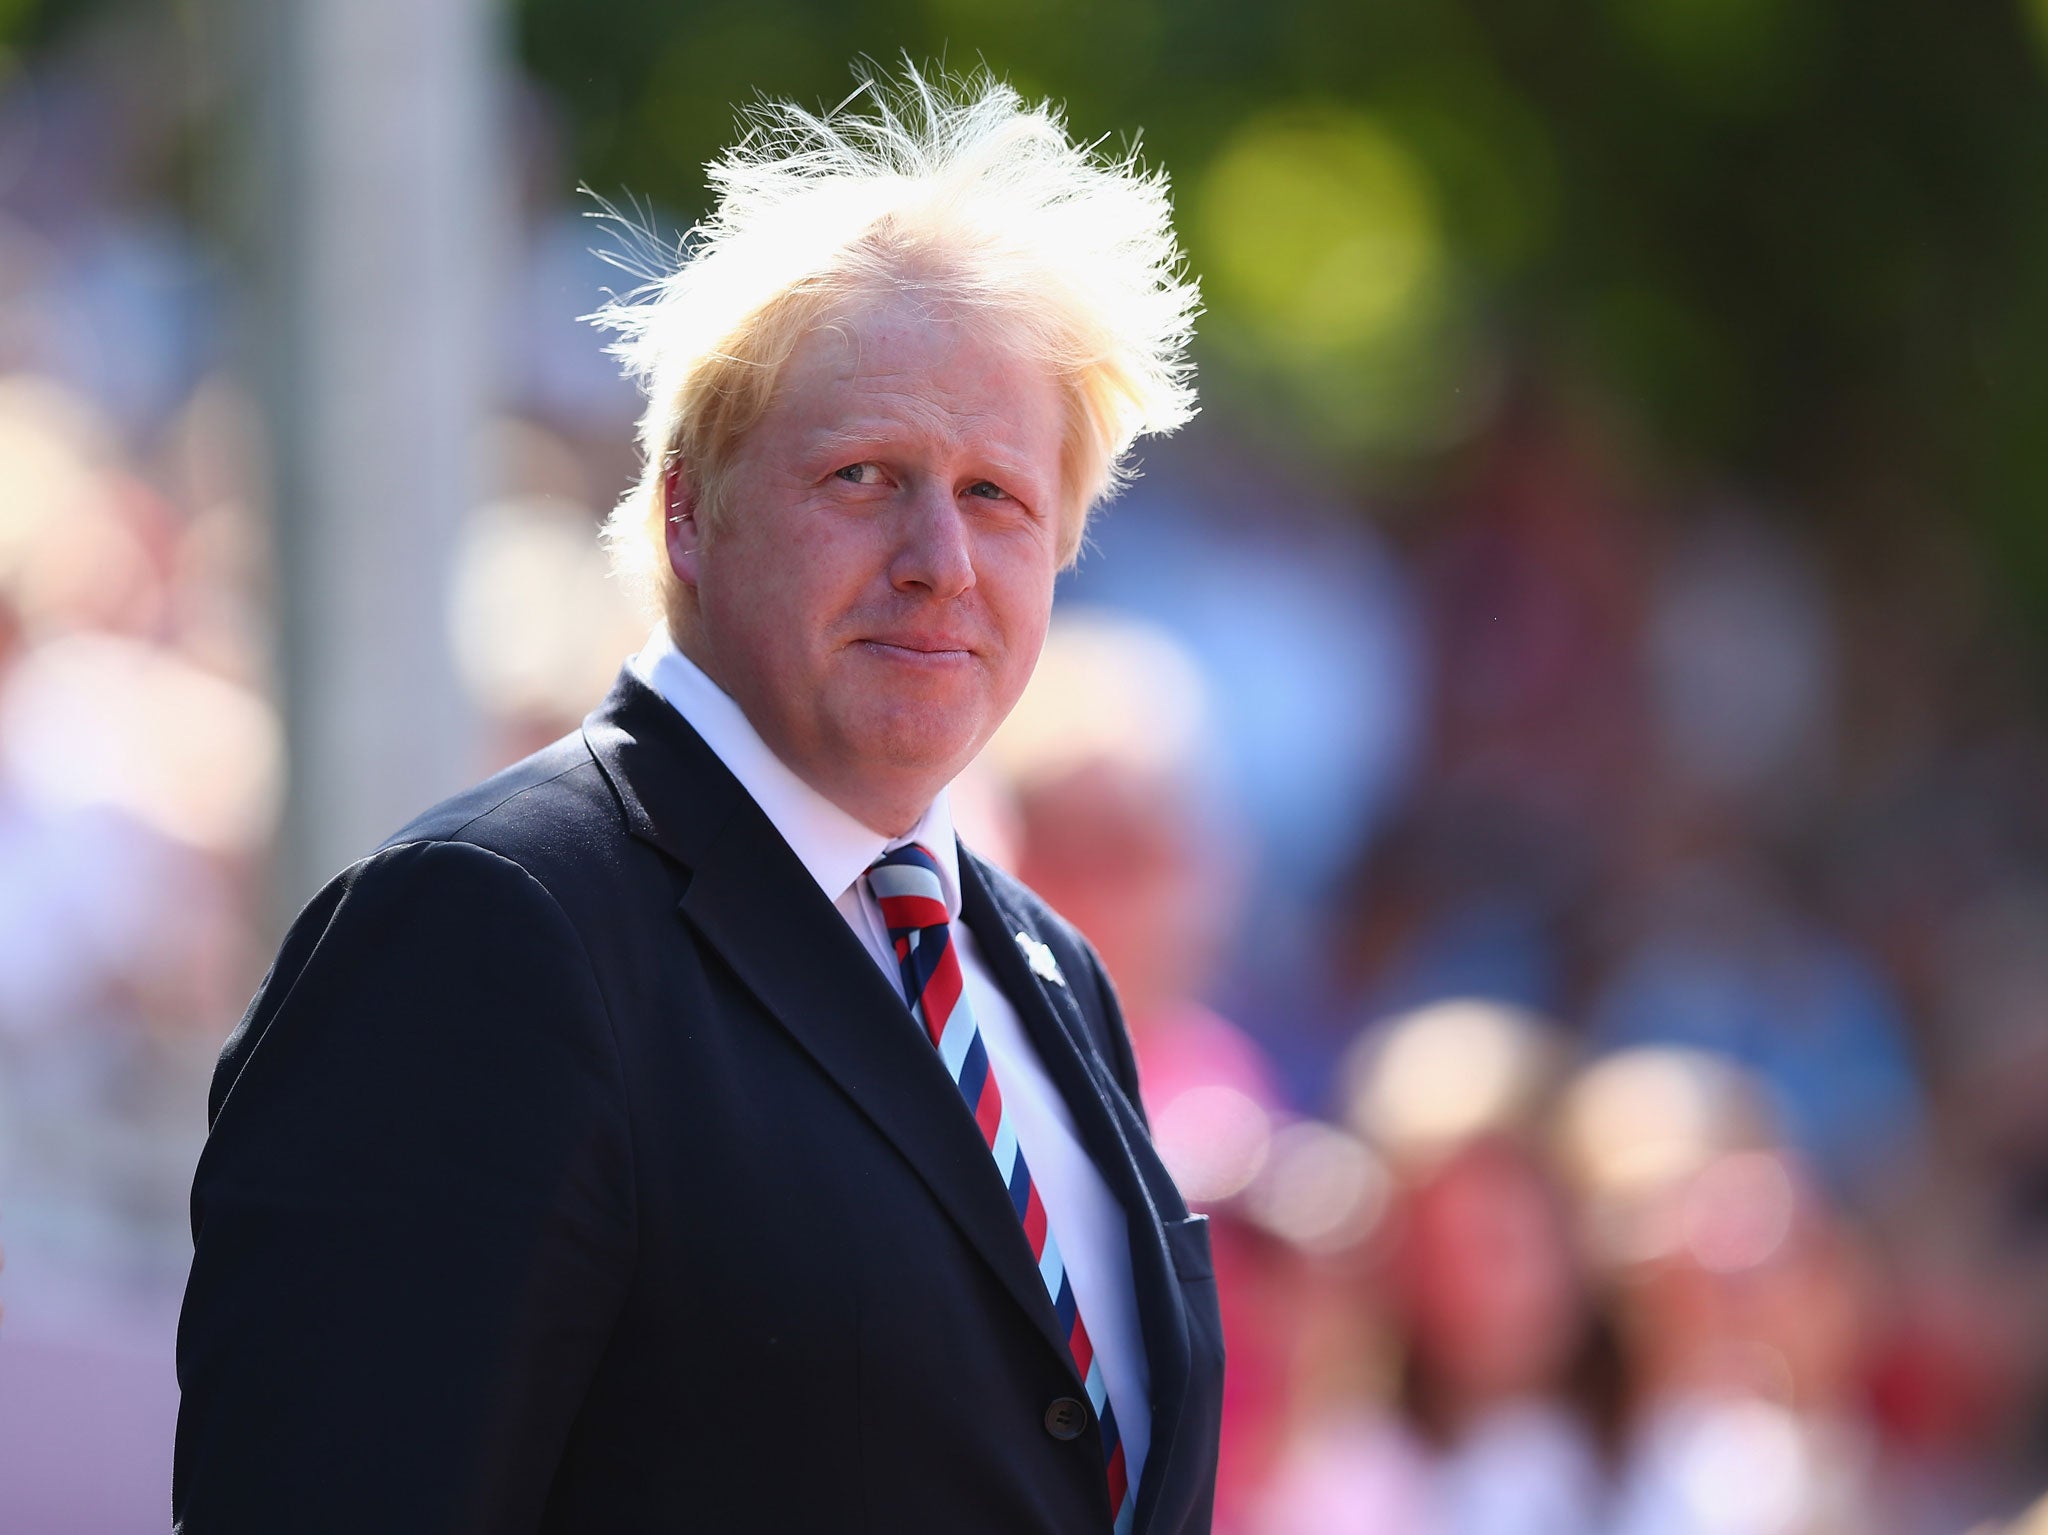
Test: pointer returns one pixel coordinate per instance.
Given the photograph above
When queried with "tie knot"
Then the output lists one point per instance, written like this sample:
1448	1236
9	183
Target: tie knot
906	883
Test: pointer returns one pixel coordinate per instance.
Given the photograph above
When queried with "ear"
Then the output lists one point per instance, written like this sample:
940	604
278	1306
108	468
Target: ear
680	533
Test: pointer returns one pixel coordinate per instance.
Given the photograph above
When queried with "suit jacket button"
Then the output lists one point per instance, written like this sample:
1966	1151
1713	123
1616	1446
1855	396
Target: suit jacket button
1066	1418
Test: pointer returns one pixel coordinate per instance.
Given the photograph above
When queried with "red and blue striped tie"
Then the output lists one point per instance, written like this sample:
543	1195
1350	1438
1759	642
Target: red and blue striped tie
906	883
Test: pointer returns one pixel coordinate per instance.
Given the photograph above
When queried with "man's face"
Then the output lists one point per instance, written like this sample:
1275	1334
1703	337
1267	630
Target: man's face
879	583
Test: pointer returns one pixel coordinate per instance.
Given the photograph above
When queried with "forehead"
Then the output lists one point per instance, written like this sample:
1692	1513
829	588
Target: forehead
900	366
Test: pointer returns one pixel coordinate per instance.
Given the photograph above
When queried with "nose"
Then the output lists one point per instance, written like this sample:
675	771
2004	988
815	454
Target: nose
932	553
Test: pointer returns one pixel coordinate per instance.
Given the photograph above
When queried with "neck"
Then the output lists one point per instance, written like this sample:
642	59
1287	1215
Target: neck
888	810
886	814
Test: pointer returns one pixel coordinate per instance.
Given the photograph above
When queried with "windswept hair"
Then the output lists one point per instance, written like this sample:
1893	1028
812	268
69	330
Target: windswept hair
957	189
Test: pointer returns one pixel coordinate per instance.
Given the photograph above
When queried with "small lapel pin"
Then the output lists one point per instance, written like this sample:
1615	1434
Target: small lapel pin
1039	956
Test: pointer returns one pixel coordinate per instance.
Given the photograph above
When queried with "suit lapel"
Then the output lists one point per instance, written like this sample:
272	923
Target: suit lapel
755	903
1115	1139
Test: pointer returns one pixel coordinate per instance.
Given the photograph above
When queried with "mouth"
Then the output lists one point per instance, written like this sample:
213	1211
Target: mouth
918	650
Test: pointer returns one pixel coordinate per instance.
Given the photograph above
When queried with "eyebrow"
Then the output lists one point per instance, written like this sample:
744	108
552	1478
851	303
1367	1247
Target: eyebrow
838	440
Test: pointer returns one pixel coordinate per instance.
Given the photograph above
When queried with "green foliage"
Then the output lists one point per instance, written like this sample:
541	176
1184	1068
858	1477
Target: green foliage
14	17
1799	239
26	25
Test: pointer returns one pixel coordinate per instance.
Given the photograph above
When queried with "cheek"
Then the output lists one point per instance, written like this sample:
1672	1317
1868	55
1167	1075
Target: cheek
1023	589
778	591
1022	638
1031	625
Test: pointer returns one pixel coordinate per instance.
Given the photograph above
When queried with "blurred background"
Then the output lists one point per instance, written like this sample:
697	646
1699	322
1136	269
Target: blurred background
1553	756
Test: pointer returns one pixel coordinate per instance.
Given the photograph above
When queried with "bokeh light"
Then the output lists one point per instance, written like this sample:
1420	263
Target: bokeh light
1321	226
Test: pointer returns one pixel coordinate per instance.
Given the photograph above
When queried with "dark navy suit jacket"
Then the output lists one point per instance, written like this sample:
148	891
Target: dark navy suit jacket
576	1170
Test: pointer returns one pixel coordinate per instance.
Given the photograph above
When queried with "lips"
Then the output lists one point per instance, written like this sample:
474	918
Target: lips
922	644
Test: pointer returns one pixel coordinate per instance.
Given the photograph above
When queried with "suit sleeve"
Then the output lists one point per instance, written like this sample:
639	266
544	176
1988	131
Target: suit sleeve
413	1218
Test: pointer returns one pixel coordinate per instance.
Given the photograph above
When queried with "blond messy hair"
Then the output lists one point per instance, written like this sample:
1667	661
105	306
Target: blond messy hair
957	189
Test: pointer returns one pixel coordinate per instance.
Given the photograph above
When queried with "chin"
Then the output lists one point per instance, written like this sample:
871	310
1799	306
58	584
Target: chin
914	744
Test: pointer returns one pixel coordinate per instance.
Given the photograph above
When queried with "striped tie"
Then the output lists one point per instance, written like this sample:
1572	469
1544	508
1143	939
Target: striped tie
906	883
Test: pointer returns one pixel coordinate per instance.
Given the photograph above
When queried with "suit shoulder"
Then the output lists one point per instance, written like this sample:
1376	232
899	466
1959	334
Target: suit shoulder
557	818
410	921
551	787
554	814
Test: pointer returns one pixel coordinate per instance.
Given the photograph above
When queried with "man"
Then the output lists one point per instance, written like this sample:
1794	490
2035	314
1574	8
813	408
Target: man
680	1131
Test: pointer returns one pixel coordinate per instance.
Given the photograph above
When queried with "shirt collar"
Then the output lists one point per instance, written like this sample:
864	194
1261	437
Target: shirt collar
831	844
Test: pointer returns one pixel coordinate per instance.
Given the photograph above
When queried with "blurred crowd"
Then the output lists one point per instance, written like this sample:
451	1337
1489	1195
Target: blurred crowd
1584	928
1632	1122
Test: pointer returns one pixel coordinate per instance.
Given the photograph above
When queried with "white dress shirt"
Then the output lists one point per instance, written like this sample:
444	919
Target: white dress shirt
837	850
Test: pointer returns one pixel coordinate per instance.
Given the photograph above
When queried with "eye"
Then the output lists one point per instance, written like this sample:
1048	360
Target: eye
866	473
988	490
